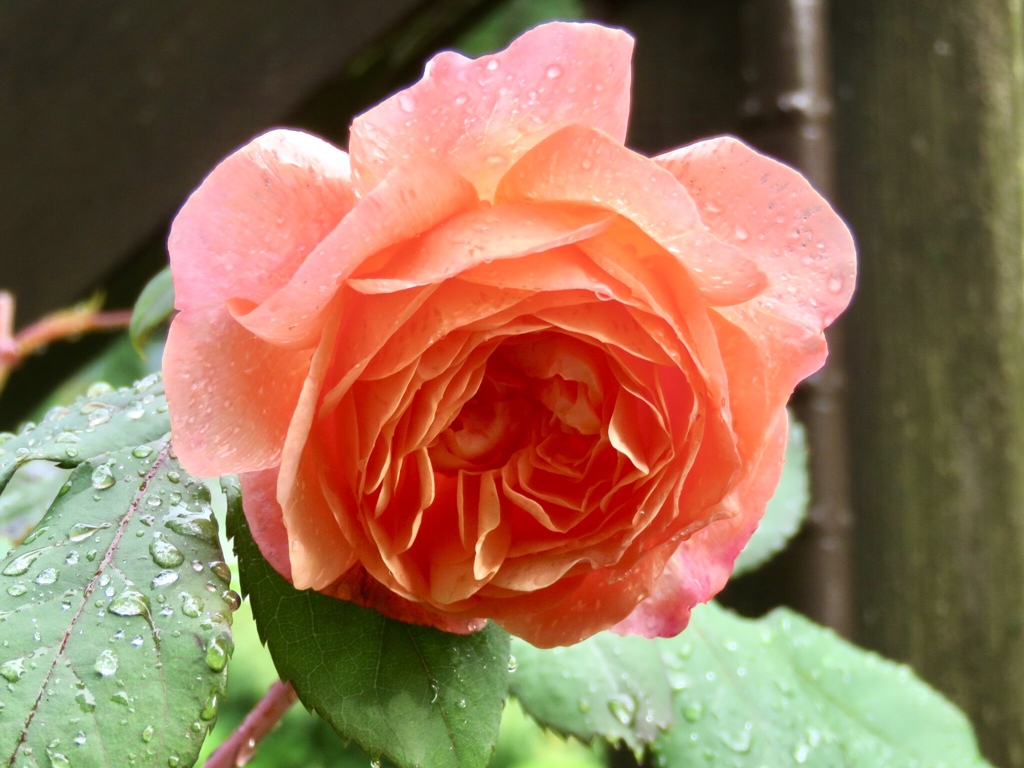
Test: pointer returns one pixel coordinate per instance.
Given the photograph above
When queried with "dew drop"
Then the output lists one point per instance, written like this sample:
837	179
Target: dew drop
147	733
85	700
209	710
81	739
99	416
82	531
835	284
584	706
554	72
221	570
20	565
623	707
17	590
513	664
218	651
106	663
130	603
189	605
164	553
406	103
693	712
57	759
12	670
98	389
232	598
164	578
142	451
102	477
203	528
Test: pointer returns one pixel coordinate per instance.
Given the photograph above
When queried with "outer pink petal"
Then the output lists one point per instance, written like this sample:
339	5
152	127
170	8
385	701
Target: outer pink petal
254	219
770	213
582	165
478	116
702	564
482	236
415	197
266	521
362	589
231	394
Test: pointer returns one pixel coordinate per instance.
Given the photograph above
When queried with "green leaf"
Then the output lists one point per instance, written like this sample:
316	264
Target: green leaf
783	691
119	365
115	615
152	309
412	694
103	420
608	687
786	509
26	499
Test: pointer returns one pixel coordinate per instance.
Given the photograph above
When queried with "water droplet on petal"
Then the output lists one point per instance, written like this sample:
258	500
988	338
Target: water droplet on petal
554	72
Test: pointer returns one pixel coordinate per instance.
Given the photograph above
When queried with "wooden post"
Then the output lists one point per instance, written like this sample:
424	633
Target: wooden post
929	120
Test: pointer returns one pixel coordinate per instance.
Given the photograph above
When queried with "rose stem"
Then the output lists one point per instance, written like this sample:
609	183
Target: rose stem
241	745
59	325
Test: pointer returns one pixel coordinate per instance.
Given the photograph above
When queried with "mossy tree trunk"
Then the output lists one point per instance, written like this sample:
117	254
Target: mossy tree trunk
930	118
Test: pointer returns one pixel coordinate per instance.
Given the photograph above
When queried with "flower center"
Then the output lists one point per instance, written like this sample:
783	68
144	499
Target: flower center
492	425
537	391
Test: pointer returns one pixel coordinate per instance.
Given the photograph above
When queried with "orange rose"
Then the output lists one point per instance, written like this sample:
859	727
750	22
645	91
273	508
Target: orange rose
491	364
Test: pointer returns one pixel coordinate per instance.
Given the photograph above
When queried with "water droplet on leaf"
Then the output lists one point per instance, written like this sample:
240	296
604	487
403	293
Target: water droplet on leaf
106	663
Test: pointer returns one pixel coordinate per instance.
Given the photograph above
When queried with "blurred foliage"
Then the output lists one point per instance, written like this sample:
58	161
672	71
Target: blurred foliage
506	22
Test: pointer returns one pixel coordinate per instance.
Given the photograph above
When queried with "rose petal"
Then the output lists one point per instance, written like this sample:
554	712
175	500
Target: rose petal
478	115
581	165
771	213
578	607
701	565
266	521
482	236
254	219
318	550
362	589
415	196
231	394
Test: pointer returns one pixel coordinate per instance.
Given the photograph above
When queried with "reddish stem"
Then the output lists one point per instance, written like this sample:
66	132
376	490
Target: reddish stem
240	746
60	325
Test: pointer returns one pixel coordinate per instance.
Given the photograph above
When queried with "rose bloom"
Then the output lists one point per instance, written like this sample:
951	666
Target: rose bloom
492	364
